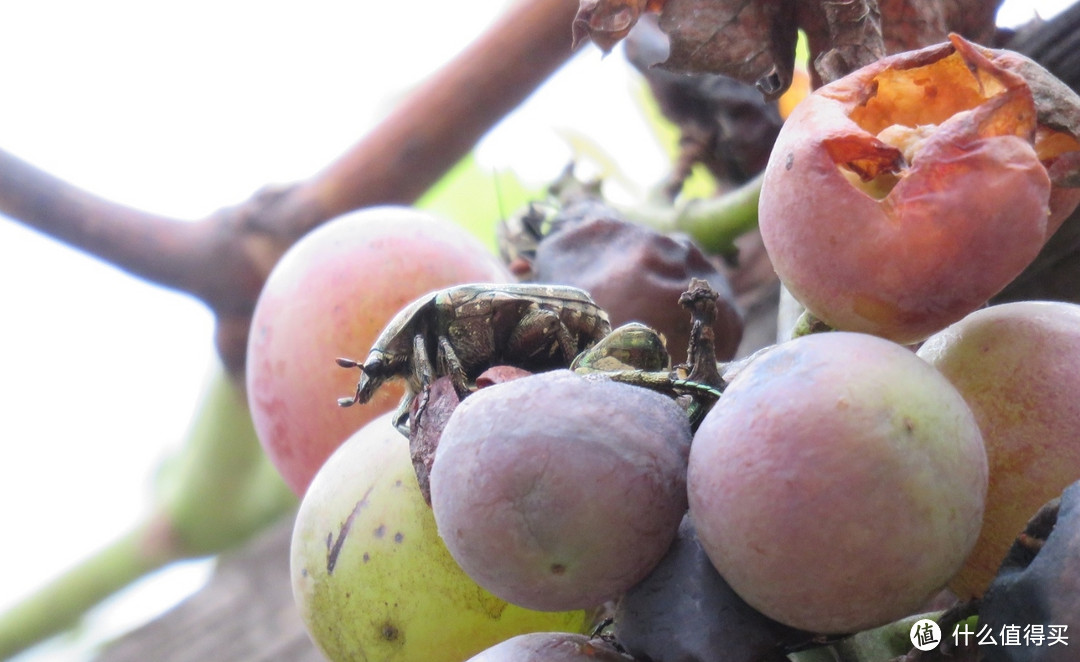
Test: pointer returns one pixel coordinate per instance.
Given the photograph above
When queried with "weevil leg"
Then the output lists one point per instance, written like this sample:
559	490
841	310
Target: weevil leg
401	414
533	333
567	343
422	372
454	369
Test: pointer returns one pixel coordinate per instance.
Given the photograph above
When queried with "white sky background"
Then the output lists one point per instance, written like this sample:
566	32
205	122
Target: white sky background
181	109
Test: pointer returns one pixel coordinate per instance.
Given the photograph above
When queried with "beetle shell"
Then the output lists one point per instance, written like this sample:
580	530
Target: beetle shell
479	321
632	346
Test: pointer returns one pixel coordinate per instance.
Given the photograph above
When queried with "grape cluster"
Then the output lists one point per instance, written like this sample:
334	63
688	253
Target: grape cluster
822	491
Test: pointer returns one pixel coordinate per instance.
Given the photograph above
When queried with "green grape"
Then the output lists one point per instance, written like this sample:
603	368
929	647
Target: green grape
371	576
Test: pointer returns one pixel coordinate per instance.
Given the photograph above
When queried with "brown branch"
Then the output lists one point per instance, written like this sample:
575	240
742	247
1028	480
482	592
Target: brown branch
444	117
154	247
224	259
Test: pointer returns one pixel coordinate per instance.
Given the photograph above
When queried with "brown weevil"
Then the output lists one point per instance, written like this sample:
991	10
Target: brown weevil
461	331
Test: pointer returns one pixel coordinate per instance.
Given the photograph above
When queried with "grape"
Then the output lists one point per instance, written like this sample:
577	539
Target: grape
1038	586
874	208
1015	364
637	275
330	295
551	647
684	611
370	575
838	483
556	491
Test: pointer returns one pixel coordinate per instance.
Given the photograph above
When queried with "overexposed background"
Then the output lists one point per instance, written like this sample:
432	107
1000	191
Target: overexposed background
181	109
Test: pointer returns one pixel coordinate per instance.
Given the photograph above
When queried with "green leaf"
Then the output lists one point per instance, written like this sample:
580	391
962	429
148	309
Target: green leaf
477	198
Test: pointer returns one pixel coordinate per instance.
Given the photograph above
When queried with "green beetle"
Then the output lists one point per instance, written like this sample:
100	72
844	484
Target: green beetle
637	354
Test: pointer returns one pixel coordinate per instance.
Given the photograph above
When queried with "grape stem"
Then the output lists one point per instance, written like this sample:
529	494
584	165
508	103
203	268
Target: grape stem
713	223
700	300
59	605
214	494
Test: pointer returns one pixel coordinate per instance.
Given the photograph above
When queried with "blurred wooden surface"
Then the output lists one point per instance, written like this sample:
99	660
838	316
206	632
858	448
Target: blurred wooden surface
244	614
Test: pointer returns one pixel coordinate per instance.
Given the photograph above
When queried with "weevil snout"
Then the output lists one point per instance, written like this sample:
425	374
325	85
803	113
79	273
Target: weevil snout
371	378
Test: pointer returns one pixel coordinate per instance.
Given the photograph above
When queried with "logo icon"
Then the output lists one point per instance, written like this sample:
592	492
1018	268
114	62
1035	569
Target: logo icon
925	634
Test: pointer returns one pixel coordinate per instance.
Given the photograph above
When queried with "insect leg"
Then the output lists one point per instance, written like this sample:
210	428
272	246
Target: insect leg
401	414
533	333
453	367
567	343
422	373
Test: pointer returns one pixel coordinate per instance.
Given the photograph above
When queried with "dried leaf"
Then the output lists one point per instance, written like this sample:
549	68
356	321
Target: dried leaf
749	40
606	22
843	35
975	20
754	40
910	24
725	124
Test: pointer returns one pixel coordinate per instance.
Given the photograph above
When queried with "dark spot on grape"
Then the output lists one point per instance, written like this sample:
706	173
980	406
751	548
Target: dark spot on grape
380	531
367	557
390	632
399	536
558	569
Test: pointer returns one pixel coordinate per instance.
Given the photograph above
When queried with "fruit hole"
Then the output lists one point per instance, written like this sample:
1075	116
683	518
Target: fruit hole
928	94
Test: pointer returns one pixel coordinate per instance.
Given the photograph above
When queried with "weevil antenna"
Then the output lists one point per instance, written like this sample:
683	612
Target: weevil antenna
349	363
349	402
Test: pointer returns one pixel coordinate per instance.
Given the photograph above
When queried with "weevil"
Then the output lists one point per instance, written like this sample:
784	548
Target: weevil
461	331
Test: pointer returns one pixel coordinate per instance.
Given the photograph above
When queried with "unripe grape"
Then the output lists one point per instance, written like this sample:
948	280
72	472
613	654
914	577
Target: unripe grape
556	491
838	482
1016	364
370	575
330	296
